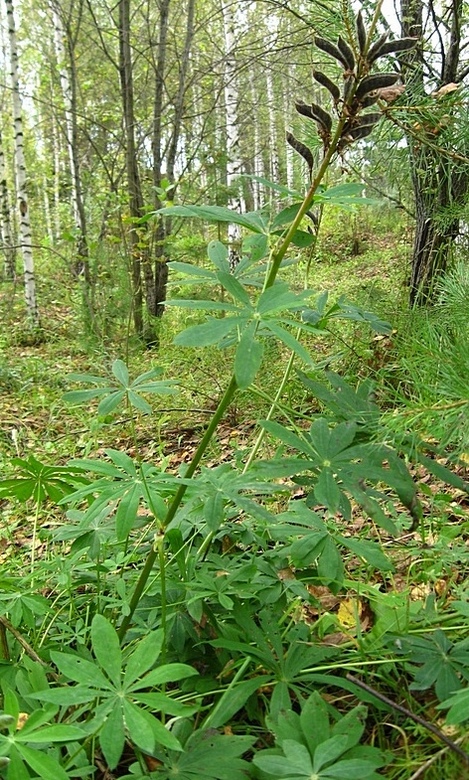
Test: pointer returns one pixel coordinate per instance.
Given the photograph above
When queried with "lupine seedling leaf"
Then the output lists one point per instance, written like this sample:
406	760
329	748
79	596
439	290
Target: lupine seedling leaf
126	391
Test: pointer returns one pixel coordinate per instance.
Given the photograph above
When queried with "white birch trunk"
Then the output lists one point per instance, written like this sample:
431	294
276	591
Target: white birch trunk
7	233
234	164
42	155
20	165
57	229
273	137
258	162
69	88
59	35
289	153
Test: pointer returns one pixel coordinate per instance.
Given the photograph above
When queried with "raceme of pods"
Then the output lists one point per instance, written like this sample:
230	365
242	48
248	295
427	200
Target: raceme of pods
359	88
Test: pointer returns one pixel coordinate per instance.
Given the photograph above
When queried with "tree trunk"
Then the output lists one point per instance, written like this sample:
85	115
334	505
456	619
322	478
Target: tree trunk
439	187
257	159
273	139
134	188
233	153
157	282
7	233
20	166
68	84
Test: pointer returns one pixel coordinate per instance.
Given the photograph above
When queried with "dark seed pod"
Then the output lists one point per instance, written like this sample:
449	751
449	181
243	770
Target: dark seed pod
323	118
326	82
376	81
369	100
391	47
302	149
355	133
361	32
332	49
369	119
348	86
375	50
347	52
361	131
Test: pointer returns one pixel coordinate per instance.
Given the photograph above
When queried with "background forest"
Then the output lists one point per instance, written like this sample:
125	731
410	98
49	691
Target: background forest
234	390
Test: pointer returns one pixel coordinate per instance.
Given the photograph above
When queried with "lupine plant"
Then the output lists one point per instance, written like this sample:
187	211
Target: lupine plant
179	603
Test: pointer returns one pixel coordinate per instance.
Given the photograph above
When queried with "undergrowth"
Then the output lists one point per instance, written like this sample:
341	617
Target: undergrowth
244	560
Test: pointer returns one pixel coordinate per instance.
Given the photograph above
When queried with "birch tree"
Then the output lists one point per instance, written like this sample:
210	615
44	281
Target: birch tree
20	172
234	165
159	279
7	232
64	41
134	186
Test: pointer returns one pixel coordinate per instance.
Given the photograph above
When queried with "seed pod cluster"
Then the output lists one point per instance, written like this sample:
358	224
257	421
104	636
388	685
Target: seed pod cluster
358	88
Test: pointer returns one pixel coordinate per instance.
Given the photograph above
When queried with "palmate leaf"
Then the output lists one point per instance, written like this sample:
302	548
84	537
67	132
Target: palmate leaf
344	195
112	737
115	681
210	332
218	254
458	707
234	287
38	481
210	756
106	647
44	765
274	186
211	493
442	663
125	391
308	747
193	274
145	731
124	486
280	297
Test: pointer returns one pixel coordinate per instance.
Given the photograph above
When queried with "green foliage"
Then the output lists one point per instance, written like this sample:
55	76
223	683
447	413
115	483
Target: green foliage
186	610
126	392
308	746
207	755
29	745
444	664
338	465
458	707
37	481
118	688
123	485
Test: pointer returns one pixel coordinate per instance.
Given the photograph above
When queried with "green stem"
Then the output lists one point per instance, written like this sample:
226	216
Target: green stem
273	407
238	676
4	649
288	369
278	254
159	544
175	503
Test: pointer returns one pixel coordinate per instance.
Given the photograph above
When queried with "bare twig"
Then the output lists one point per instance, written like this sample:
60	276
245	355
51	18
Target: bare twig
417	718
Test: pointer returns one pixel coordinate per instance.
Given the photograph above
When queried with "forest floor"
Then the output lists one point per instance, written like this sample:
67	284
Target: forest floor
427	590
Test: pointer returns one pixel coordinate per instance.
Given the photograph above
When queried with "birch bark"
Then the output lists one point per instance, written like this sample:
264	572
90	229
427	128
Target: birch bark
156	283
68	85
7	233
20	172
234	164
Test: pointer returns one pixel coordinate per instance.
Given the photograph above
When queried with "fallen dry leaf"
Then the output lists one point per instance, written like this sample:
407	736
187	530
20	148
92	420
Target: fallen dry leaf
446	89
